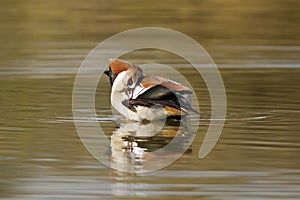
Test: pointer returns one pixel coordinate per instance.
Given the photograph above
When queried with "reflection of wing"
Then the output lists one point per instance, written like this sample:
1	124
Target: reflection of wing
157	90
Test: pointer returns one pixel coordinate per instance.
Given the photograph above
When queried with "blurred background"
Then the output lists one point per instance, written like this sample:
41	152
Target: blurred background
255	44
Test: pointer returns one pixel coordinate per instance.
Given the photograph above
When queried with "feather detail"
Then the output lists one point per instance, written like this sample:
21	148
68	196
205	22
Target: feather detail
177	87
151	81
173	111
157	92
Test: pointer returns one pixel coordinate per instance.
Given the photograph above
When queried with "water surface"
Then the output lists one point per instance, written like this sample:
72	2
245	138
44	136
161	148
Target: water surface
255	44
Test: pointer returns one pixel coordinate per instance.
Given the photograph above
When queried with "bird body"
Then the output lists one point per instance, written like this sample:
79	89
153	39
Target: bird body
139	97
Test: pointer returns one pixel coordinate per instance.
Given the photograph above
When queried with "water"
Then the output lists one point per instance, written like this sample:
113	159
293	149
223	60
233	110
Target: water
255	44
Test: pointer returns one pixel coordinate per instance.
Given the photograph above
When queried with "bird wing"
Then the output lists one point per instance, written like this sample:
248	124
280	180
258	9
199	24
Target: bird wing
154	90
154	87
152	81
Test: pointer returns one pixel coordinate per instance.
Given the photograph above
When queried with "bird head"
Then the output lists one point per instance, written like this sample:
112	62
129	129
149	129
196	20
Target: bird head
116	66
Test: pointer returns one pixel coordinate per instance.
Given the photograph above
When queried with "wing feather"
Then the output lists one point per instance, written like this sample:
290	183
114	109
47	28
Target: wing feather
154	90
152	81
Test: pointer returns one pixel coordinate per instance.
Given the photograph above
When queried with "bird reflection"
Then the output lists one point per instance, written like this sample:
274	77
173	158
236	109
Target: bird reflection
135	145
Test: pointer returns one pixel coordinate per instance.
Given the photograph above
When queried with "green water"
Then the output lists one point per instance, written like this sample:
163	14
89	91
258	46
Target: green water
256	44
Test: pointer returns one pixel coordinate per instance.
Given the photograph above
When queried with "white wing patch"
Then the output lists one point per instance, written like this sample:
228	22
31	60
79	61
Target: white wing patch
138	91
